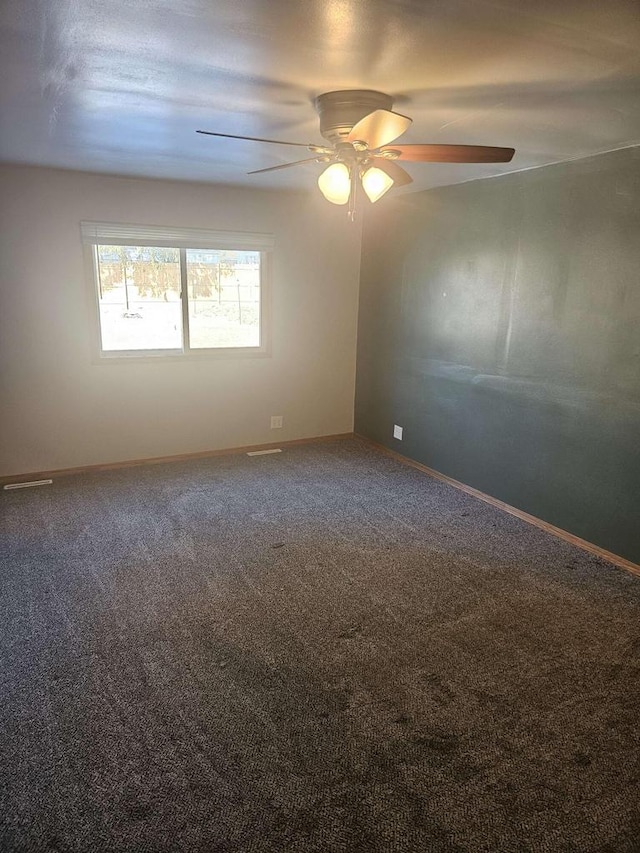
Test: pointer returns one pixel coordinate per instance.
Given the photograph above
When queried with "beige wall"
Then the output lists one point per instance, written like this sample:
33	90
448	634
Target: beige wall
59	409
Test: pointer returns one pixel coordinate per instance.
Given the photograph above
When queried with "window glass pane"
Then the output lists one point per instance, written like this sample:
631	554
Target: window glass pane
224	298
139	298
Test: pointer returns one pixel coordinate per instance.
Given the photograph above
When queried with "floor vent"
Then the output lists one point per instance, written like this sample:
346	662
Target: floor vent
263	452
27	485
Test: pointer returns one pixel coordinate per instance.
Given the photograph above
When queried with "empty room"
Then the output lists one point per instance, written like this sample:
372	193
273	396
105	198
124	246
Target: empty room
319	426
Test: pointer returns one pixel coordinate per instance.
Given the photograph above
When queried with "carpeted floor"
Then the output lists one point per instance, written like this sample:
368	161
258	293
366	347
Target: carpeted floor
317	651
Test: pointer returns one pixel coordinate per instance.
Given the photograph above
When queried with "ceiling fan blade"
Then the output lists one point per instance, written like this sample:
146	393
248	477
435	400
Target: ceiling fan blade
256	139
398	175
379	128
288	165
451	153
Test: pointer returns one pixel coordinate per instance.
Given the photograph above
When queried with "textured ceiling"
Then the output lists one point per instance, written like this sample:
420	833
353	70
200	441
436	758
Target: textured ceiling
120	86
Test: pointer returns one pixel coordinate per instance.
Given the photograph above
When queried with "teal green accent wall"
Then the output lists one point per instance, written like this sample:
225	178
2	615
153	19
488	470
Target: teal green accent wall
499	325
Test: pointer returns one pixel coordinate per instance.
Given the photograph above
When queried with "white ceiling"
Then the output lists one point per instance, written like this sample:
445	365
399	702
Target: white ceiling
120	86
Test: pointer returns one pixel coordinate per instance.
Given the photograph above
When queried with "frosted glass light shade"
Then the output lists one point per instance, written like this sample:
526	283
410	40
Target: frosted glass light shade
376	183
335	183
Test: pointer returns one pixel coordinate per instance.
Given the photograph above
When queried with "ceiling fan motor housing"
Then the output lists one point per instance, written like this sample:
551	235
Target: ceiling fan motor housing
339	111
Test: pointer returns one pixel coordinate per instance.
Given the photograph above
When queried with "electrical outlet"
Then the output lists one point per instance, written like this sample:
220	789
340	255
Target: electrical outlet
276	421
397	432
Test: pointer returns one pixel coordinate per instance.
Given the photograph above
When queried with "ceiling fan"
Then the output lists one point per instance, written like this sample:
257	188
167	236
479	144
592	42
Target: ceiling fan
360	126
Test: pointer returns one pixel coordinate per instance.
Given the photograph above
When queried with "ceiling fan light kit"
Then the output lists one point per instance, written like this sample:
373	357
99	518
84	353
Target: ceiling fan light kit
376	183
335	183
360	126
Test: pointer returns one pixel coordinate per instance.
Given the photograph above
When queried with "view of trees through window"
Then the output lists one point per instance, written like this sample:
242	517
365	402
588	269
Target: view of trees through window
140	298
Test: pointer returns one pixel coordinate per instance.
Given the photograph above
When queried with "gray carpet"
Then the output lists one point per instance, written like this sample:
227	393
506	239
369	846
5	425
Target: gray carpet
322	650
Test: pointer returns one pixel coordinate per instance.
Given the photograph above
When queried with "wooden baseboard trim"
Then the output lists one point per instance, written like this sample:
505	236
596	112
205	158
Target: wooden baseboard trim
621	562
157	460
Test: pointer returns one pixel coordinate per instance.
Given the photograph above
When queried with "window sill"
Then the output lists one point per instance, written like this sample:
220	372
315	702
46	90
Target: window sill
178	356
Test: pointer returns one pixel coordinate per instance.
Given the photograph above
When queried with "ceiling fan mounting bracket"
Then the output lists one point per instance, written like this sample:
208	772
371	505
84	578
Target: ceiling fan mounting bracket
340	111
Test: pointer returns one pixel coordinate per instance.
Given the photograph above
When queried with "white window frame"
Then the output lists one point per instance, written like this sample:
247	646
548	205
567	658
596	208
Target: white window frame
95	234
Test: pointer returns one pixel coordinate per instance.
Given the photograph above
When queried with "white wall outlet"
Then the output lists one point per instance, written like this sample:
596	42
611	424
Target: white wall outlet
276	421
397	432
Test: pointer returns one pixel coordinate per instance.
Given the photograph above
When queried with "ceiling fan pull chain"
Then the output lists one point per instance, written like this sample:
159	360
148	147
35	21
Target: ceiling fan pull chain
351	212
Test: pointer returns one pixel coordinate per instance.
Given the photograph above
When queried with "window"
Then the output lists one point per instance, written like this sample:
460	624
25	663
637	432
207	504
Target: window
178	292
